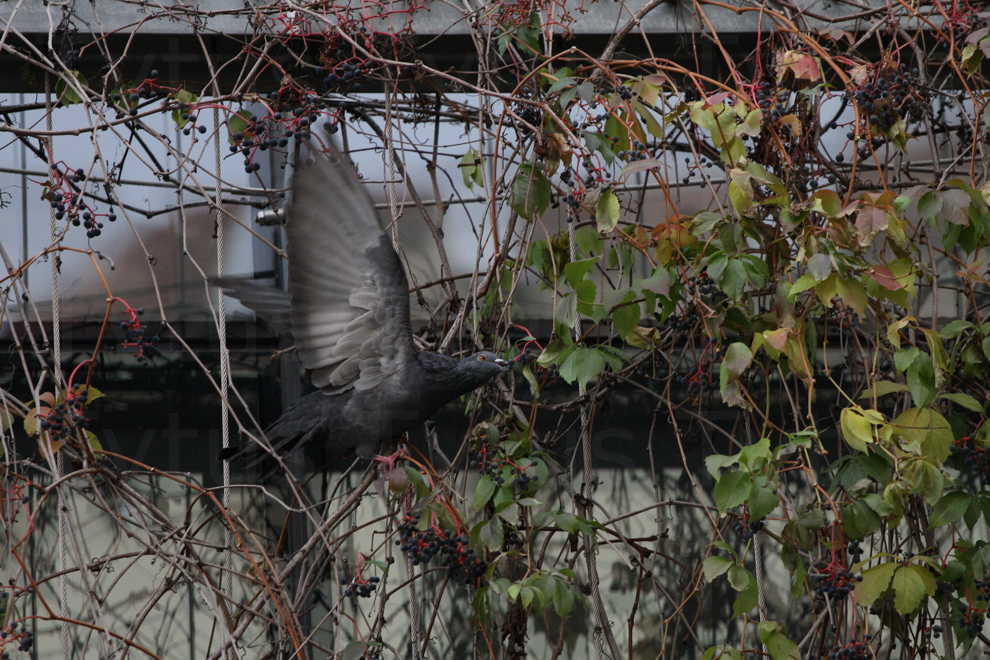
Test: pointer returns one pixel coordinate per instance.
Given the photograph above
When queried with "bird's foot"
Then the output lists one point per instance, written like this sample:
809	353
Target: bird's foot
388	462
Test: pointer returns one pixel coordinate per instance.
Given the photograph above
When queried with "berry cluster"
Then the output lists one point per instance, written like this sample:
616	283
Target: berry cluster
806	180
854	650
638	151
72	59
24	637
458	557
681	323
890	97
697	382
747	529
965	21
522	478
145	90
530	114
67	415
360	587
945	588
72	205
693	168
344	73
488	463
935	631
771	101
834	580
976	459
701	284
982	595
137	335
186	112
625	93
297	115
342	64
970	619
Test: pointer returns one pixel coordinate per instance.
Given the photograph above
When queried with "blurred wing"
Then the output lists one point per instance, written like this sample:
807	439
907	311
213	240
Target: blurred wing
272	305
350	296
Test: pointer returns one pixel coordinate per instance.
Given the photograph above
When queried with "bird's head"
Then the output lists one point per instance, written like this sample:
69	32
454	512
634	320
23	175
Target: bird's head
481	367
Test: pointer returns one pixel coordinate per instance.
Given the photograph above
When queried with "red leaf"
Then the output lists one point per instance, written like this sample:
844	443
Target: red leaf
715	99
885	278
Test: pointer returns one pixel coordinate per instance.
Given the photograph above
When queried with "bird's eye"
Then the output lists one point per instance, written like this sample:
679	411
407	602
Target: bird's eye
482	358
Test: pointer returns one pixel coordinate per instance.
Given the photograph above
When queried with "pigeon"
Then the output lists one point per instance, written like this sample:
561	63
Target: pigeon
348	312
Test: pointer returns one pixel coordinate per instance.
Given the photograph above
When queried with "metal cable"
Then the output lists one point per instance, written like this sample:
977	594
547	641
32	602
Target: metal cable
224	357
757	555
56	348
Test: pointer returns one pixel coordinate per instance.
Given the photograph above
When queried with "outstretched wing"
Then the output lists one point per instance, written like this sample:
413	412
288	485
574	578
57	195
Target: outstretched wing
350	296
272	305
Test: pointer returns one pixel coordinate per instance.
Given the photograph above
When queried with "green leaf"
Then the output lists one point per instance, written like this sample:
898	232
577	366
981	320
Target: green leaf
589	240
954	329
716	565
354	651
237	122
747	588
910	584
625	317
931	481
733	280
596	142
471	169
737	359
820	266
926	429
419	483
762	500
741	191
774	637
607	212
921	380
964	400
530	191
905	358
883	387
875	581
582	365
491	534
94	442
560	84
575	271
859	520
852	293
805	282
857	426
615	128
566	311
563	599
949	508
66	94
716	462
732	490
483	493
553	351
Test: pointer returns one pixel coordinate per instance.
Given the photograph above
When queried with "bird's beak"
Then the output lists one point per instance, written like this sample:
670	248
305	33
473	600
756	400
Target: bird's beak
502	363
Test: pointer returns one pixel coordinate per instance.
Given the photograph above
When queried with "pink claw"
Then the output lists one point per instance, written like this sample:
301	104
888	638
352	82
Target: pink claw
388	462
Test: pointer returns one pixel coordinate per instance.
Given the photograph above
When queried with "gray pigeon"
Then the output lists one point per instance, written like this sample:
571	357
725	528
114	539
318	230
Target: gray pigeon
349	314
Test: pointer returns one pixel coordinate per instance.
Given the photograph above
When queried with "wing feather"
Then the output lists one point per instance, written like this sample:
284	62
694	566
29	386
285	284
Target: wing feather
350	296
